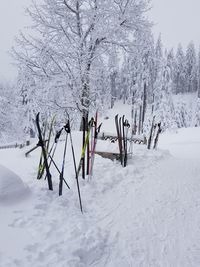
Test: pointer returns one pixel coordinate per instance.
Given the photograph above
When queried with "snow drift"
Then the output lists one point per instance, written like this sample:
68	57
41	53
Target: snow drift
12	188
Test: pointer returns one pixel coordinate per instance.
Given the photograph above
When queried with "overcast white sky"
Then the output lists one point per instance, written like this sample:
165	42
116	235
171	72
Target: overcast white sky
177	20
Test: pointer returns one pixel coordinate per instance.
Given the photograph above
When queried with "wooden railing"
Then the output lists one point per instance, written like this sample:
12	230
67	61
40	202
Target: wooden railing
15	145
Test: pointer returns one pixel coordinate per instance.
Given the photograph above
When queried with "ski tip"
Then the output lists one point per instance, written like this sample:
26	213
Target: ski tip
37	116
99	127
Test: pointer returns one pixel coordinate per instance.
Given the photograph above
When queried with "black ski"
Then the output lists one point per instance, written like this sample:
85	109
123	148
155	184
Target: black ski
151	134
157	135
83	142
122	125
42	144
41	162
55	165
67	129
117	124
32	149
126	127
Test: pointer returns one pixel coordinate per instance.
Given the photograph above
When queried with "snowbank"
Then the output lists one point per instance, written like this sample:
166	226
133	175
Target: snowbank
183	143
12	188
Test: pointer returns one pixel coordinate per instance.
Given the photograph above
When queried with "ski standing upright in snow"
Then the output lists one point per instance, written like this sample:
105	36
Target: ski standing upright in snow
67	129
122	127
159	130
47	144
119	137
126	127
44	152
151	134
94	143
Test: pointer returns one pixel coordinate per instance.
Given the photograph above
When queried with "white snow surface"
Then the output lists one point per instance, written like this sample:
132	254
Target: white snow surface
12	187
146	214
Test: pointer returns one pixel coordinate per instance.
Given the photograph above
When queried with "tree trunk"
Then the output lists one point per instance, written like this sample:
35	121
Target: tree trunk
140	120
144	105
85	102
198	88
113	88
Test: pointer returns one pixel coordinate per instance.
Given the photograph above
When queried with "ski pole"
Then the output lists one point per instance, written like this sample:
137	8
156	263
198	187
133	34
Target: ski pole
58	170
127	125
66	127
75	168
54	146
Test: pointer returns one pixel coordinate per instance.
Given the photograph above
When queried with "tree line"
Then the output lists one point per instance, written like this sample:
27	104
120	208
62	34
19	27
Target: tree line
83	55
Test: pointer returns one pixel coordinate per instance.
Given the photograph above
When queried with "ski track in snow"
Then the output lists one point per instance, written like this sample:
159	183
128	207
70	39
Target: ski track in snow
144	215
144	221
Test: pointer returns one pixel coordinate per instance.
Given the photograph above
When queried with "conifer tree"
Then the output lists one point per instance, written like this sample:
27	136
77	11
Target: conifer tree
191	69
180	71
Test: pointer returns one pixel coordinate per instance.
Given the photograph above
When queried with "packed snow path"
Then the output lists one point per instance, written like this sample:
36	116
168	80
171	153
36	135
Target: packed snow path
155	222
144	215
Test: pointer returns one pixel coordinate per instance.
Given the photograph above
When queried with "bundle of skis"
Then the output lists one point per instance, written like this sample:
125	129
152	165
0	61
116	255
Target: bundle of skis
122	127
90	137
90	134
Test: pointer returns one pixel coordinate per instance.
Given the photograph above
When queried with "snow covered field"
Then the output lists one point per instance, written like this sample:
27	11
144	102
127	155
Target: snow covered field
144	215
99	59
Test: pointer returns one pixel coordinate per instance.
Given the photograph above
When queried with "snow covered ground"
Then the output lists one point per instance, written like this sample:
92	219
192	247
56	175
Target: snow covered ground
144	215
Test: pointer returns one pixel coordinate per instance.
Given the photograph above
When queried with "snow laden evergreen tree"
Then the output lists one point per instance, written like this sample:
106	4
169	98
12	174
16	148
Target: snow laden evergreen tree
198	74
180	71
191	69
152	70
197	111
182	116
137	77
158	59
171	63
164	107
149	86
158	69
71	35
138	66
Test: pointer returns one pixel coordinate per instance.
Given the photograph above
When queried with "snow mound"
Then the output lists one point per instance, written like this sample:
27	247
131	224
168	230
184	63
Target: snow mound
12	187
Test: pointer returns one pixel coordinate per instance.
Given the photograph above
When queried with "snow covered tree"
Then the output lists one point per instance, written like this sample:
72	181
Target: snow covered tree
138	67
180	71
9	122
27	99
113	72
191	68
198	74
197	110
5	124
172	65
103	97
158	57
181	114
164	107
71	35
